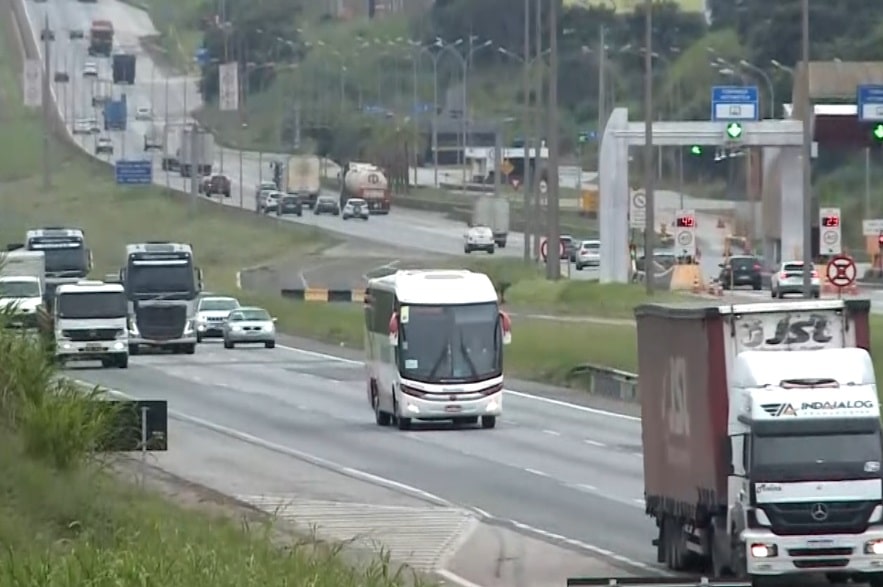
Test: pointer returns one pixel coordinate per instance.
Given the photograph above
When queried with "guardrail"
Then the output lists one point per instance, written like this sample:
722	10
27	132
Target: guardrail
605	382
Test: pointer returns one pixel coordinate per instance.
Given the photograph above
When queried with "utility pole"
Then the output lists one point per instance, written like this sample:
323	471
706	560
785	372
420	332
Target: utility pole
195	167
47	108
525	91
539	94
649	172
807	158
602	90
553	260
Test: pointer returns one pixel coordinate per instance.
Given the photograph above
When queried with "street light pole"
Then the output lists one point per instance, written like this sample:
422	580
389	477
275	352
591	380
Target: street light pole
539	94
807	154
649	177
769	84
553	259
525	92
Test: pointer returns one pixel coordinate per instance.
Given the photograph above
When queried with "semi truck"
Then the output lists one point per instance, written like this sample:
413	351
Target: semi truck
123	66
88	323
493	212
22	285
199	153
162	285
116	113
101	38
67	257
761	439
368	182
302	178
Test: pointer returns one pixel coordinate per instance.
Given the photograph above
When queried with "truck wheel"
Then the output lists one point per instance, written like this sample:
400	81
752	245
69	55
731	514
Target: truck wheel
189	349
123	362
134	349
198	338
467	250
502	244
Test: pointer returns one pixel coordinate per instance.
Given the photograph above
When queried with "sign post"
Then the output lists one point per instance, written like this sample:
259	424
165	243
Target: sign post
830	235
685	233
731	103
637	210
841	272
869	99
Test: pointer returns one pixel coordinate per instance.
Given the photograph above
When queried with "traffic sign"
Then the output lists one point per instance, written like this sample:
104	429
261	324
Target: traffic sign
870	102
734	131
228	79
872	227
202	57
830	232
544	248
685	232
734	103
841	271
506	167
637	210
133	172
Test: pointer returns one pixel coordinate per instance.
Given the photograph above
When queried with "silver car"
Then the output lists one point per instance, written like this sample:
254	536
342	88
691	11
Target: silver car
249	325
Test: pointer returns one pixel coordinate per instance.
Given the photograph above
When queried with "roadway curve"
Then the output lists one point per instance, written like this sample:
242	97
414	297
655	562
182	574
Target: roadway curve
561	469
172	98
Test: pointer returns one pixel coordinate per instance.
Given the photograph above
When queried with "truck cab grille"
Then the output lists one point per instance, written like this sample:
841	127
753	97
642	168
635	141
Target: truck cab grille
90	334
161	322
843	517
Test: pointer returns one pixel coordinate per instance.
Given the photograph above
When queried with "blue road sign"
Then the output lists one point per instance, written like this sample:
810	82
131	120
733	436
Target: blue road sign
870	103
202	56
587	136
734	103
133	172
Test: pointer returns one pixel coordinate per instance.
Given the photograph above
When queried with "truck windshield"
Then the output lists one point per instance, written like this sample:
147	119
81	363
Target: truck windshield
449	344
63	257
159	279
19	288
792	457
88	305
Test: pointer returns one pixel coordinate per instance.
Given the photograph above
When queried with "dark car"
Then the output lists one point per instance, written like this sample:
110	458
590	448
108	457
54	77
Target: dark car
47	35
568	247
327	205
76	34
62	77
741	270
290	204
217	184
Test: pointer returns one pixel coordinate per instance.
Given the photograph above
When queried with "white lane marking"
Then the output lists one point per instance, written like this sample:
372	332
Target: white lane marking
535	472
594	443
528	396
584	487
552	432
639	501
377	480
456	579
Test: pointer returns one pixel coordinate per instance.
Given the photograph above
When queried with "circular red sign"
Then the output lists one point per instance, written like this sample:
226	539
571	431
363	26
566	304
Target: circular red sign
841	271
544	249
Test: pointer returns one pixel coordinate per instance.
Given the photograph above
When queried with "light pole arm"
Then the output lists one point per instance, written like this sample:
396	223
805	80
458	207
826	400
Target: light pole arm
769	84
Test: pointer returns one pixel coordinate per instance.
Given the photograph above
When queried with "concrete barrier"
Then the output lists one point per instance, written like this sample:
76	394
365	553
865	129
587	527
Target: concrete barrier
606	382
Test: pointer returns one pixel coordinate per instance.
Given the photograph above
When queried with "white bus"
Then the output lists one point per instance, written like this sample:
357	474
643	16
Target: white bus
434	341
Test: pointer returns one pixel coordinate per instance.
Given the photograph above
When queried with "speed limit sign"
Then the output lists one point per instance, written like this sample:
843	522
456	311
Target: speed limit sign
685	232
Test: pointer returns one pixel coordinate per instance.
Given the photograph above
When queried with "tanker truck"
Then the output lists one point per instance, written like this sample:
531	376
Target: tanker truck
366	181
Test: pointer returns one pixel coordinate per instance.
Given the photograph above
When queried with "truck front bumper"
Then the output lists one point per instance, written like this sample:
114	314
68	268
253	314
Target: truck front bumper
824	553
189	338
91	351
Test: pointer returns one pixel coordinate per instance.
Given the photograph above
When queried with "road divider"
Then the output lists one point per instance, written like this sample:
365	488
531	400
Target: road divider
606	382
320	294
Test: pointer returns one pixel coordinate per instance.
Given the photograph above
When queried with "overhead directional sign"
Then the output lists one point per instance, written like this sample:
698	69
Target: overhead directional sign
734	103
869	99
830	234
133	172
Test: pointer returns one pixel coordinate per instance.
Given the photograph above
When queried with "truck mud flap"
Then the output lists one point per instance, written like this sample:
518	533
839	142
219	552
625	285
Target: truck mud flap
666	581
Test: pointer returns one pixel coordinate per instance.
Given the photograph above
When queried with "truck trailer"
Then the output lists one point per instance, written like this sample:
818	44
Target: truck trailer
761	437
303	178
123	65
493	212
368	182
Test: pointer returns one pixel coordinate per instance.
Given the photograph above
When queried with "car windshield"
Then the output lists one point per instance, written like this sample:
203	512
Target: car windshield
19	288
792	267
289	200
256	315
357	202
326	200
743	263
591	245
218	305
449	344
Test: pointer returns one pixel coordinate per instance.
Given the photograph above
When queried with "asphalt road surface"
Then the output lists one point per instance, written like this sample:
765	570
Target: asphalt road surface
559	470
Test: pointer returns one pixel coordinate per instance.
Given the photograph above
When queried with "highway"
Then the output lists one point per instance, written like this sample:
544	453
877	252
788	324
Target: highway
560	468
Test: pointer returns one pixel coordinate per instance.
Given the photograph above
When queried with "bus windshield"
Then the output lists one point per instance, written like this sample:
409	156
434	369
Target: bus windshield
450	344
64	256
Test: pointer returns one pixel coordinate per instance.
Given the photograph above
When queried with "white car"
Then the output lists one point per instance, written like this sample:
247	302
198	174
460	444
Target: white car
211	313
249	325
143	113
90	69
356	208
789	280
104	145
479	238
588	254
268	201
82	126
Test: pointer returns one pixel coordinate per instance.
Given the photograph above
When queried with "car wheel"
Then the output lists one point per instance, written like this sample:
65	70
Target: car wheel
488	422
772	293
816	294
228	344
756	286
467	250
270	344
579	267
780	295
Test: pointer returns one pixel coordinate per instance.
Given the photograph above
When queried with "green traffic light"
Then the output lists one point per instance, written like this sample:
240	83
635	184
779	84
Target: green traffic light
878	131
734	130
696	150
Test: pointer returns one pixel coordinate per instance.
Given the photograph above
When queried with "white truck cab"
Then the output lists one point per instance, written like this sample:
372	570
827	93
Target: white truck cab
805	490
90	323
434	340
